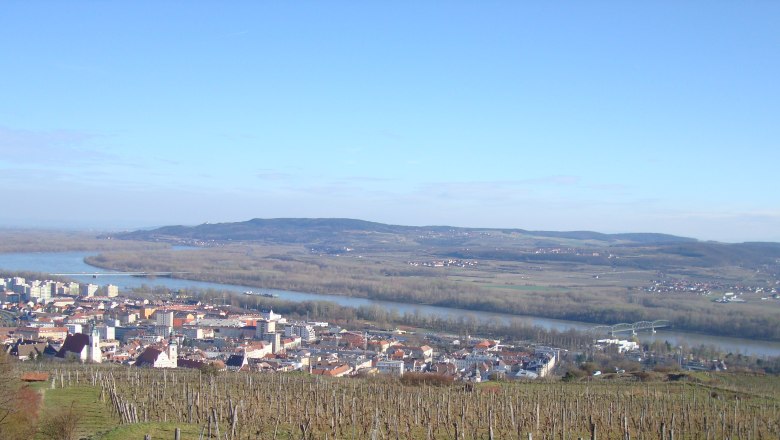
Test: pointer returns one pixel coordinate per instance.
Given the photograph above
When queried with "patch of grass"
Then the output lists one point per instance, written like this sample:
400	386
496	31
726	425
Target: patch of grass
95	416
157	430
699	377
524	288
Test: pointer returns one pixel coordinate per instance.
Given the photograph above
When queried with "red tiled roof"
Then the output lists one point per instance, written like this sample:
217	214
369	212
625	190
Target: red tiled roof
35	377
189	363
340	369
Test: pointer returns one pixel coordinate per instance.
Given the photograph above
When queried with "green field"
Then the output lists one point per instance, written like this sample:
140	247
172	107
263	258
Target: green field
98	422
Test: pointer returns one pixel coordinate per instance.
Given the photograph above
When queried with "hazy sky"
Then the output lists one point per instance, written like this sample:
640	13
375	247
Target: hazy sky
606	116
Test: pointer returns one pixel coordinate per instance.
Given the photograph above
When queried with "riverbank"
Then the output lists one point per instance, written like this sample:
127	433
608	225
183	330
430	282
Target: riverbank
73	262
581	298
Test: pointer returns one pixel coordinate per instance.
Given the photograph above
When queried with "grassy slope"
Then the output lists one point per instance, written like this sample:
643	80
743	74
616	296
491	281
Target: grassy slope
99	423
96	416
157	430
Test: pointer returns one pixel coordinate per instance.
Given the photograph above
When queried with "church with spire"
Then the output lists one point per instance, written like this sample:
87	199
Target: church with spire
83	347
155	357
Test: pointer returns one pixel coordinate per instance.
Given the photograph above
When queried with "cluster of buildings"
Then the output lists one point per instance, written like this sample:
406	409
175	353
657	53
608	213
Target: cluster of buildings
451	262
17	289
79	323
572	251
621	345
673	285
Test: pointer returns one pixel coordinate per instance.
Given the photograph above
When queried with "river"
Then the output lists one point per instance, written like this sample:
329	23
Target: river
73	263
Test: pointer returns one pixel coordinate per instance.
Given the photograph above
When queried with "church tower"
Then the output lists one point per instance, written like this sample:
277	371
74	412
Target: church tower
94	354
173	351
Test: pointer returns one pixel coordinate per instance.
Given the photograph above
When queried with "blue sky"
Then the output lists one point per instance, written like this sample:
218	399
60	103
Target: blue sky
606	116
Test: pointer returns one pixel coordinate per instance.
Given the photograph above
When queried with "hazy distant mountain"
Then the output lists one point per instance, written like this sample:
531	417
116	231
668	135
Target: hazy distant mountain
337	231
336	236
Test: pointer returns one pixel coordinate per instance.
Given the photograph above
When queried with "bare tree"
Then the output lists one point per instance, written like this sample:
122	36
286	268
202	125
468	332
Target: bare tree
8	386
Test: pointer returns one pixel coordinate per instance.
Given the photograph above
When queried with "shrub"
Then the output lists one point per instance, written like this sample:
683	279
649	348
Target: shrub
62	424
416	379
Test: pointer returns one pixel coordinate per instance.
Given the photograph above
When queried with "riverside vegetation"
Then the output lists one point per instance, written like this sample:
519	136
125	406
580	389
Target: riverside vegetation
579	276
210	405
575	290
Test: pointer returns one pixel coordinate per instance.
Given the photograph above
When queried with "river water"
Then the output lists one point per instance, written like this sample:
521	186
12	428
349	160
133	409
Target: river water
73	263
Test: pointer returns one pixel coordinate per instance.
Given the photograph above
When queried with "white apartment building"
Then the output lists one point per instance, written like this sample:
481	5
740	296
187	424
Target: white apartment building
305	331
395	368
88	289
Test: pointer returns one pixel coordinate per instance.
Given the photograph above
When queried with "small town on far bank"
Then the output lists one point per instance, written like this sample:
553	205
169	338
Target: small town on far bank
67	321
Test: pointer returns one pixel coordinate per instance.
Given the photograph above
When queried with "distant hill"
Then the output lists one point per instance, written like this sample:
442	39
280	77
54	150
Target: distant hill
279	230
338	235
339	231
635	238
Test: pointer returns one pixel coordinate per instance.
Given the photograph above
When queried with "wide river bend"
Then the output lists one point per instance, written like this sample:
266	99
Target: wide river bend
73	263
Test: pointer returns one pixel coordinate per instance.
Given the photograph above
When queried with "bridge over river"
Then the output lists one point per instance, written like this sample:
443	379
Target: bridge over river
633	328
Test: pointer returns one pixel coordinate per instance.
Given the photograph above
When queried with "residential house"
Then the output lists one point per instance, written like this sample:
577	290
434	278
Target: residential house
35	333
26	350
331	369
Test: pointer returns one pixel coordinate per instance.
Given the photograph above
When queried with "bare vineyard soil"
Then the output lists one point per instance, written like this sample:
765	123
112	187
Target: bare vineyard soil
284	406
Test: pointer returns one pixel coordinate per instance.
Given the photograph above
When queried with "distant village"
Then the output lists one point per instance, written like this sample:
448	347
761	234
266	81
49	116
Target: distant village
730	293
444	263
73	322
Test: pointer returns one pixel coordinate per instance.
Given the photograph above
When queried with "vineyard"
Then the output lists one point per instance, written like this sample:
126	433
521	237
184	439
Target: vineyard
299	406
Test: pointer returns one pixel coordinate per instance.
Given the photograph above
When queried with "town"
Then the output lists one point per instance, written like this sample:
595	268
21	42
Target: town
731	292
69	321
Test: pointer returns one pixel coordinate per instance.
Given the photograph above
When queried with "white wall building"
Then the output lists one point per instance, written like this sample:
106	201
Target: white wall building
305	331
395	368
73	328
163	318
469	361
88	289
107	332
622	345
269	315
112	290
265	327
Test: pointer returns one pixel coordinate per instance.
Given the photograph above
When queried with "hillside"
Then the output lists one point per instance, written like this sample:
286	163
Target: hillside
335	231
333	235
425	406
580	275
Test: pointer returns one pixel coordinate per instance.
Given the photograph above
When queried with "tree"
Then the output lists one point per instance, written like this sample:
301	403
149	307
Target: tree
18	404
210	370
8	387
